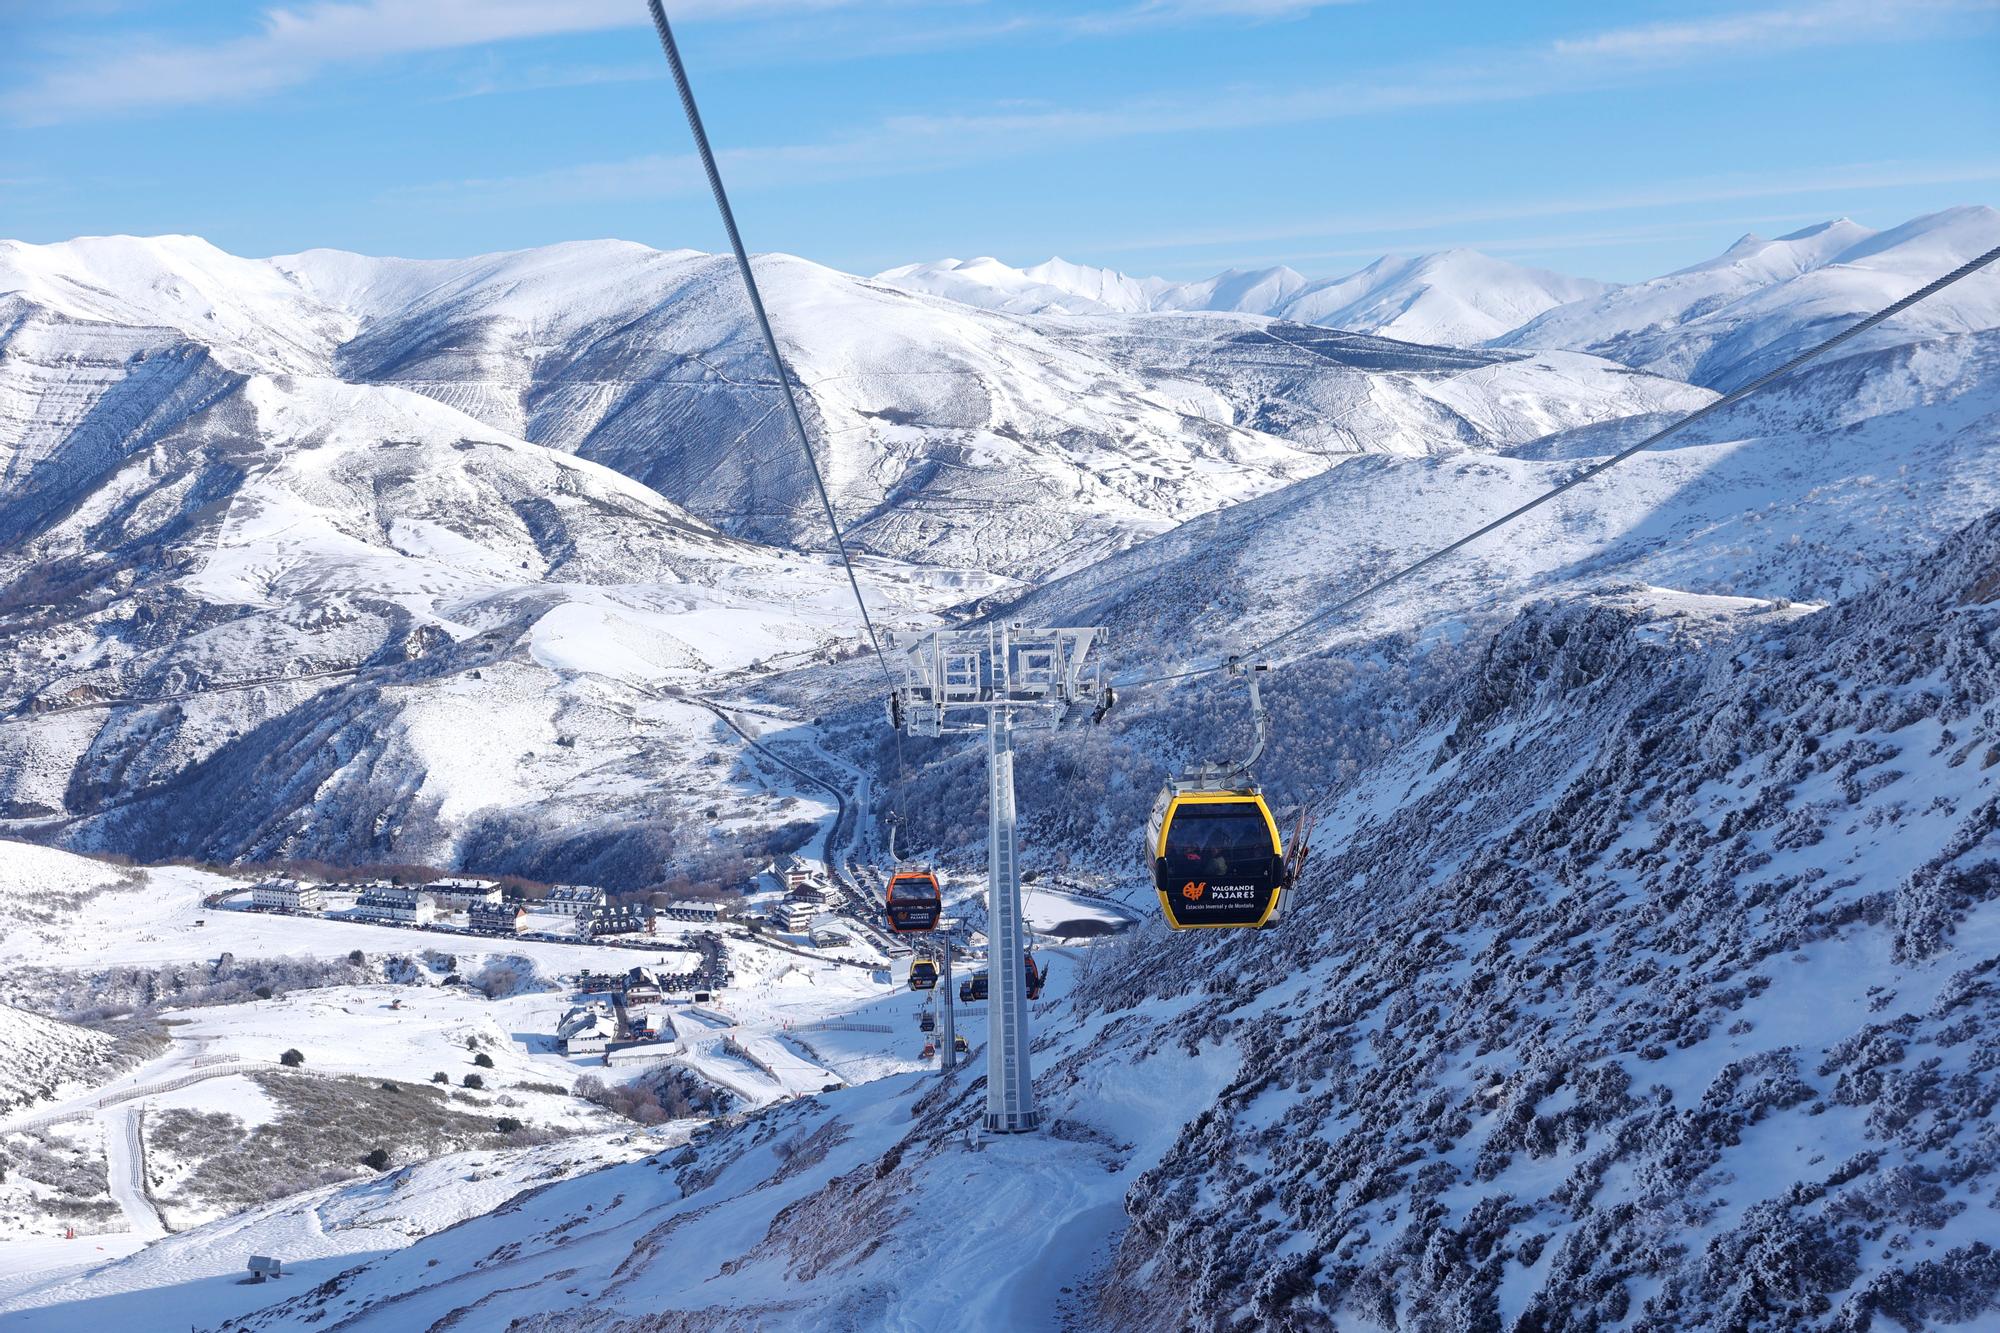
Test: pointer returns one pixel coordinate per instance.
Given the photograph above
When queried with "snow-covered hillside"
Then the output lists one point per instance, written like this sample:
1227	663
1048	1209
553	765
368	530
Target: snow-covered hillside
41	1059
1454	297
246	312
1650	986
1810	492
193	1278
309	612
1724	322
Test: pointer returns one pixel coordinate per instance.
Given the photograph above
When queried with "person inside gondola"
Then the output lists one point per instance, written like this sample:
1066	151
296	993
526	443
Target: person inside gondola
1206	858
1195	858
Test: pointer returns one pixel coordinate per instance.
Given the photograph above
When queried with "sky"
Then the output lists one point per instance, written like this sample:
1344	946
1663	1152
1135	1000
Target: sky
1170	137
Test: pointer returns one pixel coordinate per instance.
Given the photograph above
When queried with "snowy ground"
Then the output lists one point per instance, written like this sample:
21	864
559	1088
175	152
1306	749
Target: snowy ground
765	1039
793	1157
194	1279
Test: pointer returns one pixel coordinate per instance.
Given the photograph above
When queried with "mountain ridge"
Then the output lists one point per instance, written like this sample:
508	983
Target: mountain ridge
1722	322
1454	297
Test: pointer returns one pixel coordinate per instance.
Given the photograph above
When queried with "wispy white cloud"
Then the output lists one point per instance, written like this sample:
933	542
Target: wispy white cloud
1161	13
293	45
296	44
902	145
1809	24
541	78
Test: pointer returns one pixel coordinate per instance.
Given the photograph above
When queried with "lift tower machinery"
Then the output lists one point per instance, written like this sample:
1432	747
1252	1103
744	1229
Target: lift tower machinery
999	678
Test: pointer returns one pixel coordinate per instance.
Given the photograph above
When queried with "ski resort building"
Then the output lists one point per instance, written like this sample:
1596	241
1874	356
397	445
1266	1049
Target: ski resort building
574	900
495	918
395	905
644	986
689	910
794	915
798	873
283	895
616	919
465	892
586	1030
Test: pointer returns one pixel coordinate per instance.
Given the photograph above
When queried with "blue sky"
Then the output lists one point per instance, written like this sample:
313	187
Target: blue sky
1158	136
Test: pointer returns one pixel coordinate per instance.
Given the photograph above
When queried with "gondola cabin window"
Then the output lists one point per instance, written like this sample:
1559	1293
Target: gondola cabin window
1218	842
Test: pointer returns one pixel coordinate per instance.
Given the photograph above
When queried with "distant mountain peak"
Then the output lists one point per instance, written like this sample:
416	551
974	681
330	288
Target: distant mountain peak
1454	296
1722	321
1842	223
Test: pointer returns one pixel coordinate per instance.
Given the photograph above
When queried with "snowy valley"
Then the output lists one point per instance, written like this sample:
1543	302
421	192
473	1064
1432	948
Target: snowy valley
1644	976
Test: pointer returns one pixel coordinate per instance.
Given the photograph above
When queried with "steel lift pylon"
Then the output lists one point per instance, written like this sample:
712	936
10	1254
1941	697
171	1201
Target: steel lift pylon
999	678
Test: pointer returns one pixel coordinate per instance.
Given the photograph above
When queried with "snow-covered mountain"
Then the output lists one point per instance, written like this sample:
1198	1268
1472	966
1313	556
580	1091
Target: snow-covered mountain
273	533
1783	495
1055	286
1725	321
1786	497
1458	297
950	435
1455	297
1643	975
1717	323
320	618
274	529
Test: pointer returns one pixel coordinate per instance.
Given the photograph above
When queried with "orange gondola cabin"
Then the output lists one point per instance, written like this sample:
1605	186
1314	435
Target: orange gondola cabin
914	902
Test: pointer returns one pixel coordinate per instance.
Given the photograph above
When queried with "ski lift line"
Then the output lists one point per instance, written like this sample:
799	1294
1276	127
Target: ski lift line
686	91
1729	399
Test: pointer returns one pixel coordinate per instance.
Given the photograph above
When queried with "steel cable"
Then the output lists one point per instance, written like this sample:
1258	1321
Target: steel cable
695	127
667	44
